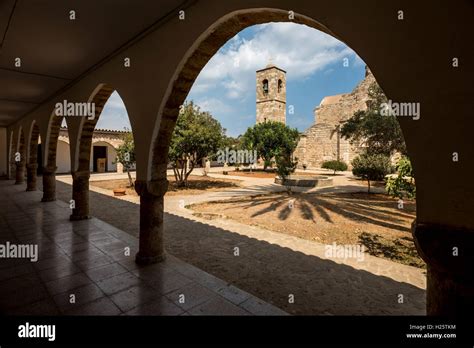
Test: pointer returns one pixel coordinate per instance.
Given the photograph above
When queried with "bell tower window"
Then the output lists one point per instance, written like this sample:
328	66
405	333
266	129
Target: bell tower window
265	86
280	85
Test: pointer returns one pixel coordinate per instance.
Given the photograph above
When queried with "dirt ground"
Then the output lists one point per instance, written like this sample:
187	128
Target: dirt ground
196	185
373	220
266	270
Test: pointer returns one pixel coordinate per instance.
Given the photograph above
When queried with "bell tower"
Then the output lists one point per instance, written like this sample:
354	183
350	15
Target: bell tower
271	94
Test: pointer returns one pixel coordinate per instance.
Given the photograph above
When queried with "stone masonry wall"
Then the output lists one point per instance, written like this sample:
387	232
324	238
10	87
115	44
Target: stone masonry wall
271	106
319	142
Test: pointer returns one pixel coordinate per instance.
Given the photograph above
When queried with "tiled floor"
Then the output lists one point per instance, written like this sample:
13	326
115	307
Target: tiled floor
83	268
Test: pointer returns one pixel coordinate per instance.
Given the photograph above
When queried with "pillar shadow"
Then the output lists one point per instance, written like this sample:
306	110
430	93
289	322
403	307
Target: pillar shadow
268	271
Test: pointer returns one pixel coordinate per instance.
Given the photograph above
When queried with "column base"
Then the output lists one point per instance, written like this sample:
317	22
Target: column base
48	199
78	217
148	260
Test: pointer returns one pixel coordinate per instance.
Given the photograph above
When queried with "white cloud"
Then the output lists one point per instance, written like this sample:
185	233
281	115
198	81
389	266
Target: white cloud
213	105
298	49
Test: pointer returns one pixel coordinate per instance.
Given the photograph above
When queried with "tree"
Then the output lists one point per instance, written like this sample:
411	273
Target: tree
403	183
335	165
196	135
285	166
380	134
270	139
126	155
371	167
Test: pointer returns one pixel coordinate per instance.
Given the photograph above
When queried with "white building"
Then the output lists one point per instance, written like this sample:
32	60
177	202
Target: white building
103	153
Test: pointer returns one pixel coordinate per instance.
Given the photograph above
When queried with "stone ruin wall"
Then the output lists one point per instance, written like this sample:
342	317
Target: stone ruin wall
319	142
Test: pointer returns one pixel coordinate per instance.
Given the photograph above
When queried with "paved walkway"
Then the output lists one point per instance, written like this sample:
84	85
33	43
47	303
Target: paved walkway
271	265
83	268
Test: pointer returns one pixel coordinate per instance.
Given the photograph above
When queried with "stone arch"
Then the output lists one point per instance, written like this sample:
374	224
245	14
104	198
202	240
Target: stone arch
50	145
81	161
11	155
32	156
51	141
194	61
86	130
21	164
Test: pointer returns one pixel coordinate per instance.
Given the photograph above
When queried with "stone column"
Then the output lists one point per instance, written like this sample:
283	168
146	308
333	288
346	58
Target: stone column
49	184
449	255
20	173
31	170
151	246
80	195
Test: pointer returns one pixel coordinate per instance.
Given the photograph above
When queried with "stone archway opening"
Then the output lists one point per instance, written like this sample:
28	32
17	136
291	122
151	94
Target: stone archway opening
32	164
89	156
20	158
190	67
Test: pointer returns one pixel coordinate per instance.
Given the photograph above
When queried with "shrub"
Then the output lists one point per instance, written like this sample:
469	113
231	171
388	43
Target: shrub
371	167
339	166
402	184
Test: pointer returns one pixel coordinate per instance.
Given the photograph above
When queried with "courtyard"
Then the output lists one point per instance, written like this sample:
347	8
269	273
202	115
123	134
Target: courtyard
179	81
275	258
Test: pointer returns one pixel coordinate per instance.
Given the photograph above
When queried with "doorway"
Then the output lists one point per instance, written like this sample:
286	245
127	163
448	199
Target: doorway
100	159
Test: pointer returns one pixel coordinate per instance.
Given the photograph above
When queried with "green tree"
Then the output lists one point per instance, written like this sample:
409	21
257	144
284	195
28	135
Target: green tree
285	166
126	154
335	165
270	139
403	183
380	134
371	167
197	135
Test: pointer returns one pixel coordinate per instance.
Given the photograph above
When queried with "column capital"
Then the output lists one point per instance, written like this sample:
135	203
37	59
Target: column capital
81	174
49	170
446	249
154	187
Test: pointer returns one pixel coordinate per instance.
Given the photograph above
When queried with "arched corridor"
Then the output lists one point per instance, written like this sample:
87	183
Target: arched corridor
152	57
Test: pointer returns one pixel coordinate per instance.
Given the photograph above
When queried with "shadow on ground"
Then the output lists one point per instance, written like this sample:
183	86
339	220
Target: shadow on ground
266	270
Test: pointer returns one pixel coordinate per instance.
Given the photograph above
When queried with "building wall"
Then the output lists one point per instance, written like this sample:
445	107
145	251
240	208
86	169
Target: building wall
100	138
63	158
111	155
319	142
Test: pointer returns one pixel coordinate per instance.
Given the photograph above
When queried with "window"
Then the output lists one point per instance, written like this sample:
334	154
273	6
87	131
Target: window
280	85
265	86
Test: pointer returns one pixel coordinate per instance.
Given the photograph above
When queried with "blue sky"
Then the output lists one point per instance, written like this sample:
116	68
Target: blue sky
315	68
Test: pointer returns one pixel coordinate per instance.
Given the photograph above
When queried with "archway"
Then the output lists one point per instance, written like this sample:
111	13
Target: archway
32	166
81	164
49	161
20	158
11	155
189	68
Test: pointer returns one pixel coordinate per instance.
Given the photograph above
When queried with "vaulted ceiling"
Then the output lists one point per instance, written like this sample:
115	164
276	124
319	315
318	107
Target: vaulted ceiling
54	50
